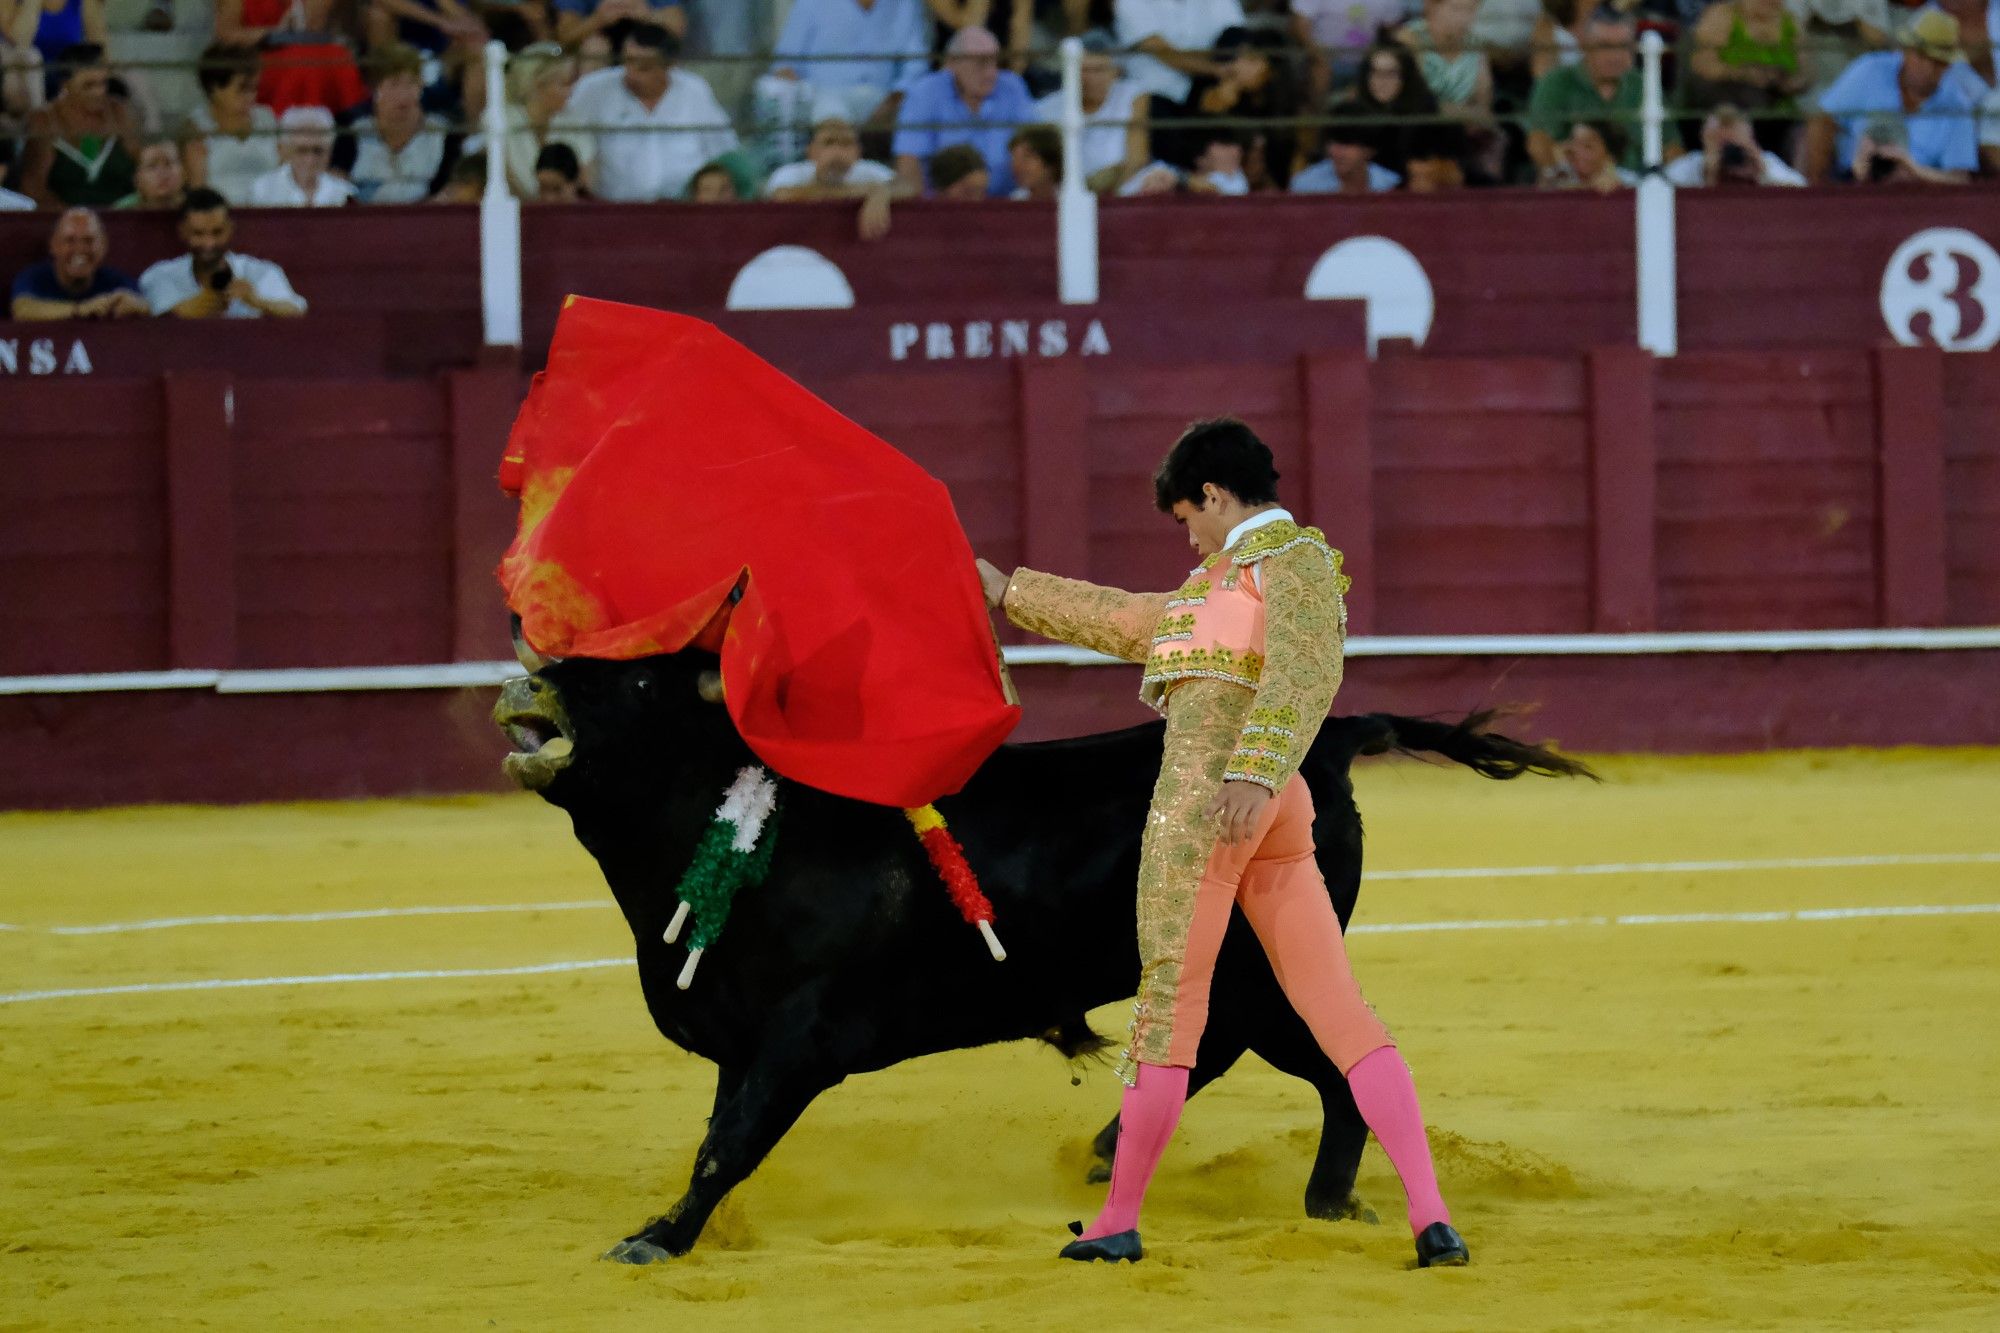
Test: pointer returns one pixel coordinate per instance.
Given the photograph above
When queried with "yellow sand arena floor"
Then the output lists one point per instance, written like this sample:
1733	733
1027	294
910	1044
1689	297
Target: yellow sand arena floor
1739	1123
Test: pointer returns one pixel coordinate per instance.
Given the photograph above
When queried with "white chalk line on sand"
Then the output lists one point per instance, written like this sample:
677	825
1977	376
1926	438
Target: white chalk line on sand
1446	872
323	979
1697	867
1376	928
354	914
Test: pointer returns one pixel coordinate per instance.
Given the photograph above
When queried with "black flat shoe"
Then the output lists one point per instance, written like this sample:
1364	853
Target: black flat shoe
1441	1247
1123	1245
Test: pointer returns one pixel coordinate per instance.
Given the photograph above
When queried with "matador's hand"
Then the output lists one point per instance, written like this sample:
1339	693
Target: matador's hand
1236	809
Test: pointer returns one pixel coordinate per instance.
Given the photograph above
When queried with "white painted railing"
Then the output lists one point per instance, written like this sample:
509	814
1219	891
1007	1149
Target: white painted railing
1658	277
1076	206
457	675
499	217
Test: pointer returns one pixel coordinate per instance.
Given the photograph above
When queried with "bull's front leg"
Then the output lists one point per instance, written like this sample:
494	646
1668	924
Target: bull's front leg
753	1109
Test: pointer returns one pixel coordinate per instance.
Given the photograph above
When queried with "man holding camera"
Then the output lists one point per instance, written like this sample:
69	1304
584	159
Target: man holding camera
211	280
1729	156
1900	115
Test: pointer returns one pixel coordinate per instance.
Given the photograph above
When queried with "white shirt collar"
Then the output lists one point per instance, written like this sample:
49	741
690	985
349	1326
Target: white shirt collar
1254	522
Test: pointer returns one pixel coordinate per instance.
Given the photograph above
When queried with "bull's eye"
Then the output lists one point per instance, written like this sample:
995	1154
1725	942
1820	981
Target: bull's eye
642	684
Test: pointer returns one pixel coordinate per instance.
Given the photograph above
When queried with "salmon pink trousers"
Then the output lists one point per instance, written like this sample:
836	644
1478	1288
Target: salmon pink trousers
1275	878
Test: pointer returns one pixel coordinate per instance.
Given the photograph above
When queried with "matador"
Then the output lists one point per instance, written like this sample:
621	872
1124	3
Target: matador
1244	660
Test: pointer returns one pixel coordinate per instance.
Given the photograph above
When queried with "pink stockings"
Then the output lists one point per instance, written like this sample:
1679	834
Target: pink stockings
1146	1120
1383	1090
1387	1099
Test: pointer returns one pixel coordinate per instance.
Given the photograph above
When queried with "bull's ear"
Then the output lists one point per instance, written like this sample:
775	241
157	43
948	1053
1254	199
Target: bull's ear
709	686
530	660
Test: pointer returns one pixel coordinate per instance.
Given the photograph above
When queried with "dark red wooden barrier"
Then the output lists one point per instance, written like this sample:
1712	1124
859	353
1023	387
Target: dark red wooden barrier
203	520
1513	272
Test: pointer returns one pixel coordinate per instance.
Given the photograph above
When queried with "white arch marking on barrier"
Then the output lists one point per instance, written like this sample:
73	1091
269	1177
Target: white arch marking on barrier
790	277
1388	277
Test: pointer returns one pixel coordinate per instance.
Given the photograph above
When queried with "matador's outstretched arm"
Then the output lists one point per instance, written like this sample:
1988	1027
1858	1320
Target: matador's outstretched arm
1107	620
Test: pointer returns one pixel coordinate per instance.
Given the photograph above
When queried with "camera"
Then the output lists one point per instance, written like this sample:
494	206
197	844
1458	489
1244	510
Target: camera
1881	168
1733	157
220	279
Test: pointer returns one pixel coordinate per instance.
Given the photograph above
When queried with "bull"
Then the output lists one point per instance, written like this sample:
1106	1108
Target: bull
850	956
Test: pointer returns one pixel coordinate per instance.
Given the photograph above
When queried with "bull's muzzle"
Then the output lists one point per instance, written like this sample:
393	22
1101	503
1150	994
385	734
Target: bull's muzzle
530	711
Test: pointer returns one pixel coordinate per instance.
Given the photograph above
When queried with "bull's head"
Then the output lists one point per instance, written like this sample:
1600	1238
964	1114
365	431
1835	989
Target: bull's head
617	721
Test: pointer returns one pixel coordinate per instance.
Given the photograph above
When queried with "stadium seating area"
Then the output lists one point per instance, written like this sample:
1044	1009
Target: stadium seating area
130	103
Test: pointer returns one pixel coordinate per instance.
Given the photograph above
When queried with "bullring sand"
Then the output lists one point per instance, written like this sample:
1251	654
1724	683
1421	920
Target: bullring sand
1747	1120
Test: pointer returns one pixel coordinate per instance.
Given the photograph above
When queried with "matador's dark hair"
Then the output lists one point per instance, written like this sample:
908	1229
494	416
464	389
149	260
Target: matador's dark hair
1221	450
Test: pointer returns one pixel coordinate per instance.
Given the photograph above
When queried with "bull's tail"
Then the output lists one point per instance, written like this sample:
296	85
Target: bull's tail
1467	741
1077	1040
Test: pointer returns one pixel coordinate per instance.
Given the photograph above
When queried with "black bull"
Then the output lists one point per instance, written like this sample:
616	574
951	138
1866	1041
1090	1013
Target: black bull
850	957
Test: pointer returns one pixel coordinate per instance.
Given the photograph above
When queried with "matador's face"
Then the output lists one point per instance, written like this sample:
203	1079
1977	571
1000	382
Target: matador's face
1207	528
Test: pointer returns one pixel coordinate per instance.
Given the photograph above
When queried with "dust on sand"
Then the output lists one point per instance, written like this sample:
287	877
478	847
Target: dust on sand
1743	1124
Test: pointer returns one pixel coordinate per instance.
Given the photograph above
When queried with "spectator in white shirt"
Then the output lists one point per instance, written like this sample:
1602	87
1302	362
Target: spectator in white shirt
305	151
1175	40
655	124
539	80
231	140
211	280
400	154
1729	156
835	169
1349	165
1115	118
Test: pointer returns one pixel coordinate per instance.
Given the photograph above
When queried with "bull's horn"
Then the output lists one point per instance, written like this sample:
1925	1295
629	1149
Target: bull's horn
709	685
530	660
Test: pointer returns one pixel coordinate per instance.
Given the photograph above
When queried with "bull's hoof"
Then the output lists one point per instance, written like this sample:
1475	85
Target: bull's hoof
1349	1209
1099	1173
636	1250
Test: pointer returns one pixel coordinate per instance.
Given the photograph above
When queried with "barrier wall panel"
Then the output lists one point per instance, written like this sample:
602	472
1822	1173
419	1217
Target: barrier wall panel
1768	499
1544	274
1972	488
1482	495
343	523
1136	415
1804	268
962	427
83	527
685	257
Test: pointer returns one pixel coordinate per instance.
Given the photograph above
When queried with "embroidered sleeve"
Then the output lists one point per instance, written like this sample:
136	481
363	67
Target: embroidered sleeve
1305	631
1109	620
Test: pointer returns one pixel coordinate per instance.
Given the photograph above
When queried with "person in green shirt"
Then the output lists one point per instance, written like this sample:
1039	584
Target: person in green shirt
1603	86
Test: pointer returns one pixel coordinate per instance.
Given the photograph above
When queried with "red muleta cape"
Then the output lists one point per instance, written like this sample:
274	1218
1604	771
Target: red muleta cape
657	462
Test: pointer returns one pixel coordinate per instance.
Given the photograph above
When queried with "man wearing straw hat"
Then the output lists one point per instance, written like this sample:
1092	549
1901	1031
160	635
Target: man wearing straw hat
1905	115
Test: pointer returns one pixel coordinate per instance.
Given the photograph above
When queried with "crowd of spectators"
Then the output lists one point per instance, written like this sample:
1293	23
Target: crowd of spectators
208	281
322	103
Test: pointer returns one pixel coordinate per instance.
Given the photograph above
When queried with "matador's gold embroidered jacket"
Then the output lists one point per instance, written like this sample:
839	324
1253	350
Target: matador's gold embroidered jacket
1268	614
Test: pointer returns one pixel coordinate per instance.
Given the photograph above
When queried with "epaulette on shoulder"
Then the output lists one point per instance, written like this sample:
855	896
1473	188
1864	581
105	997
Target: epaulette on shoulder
1282	536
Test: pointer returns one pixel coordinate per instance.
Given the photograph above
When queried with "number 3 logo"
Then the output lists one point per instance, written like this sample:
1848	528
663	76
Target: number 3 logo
1942	289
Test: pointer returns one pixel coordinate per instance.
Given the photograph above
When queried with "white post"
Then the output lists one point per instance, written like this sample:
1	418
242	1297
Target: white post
1659	318
499	217
1076	206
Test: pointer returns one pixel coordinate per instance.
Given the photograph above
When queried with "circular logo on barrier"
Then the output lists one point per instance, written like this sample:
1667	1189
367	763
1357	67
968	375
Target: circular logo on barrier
1942	289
